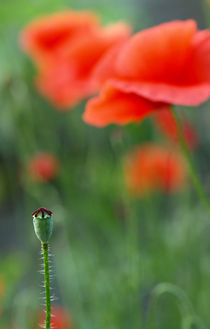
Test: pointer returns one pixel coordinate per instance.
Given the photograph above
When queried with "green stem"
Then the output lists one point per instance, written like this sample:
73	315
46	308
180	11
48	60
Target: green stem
192	171
47	285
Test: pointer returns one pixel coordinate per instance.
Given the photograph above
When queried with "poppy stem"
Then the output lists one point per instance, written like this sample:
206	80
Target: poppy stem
192	171
43	225
47	285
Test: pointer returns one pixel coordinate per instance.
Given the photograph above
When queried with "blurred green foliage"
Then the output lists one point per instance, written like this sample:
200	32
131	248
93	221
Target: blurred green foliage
111	252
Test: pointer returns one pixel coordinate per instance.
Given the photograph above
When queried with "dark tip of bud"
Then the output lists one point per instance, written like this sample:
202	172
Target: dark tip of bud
43	211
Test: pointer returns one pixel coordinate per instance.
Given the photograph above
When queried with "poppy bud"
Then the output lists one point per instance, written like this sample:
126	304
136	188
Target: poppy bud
43	224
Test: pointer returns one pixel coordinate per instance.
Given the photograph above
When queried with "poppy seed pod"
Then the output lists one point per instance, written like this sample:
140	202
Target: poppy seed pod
43	224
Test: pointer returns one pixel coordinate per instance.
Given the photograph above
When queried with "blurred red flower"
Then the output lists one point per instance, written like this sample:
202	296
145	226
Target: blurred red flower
164	120
152	167
60	318
69	79
67	54
43	167
169	63
46	37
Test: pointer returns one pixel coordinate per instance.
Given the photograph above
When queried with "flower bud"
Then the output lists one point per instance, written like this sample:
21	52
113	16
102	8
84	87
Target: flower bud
43	224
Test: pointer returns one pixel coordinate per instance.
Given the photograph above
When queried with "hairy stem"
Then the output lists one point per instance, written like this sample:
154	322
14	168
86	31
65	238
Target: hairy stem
47	285
192	171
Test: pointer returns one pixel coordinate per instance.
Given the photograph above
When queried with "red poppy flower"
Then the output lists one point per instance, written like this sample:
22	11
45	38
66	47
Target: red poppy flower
60	318
169	63
69	78
164	120
153	167
67	47
43	167
47	36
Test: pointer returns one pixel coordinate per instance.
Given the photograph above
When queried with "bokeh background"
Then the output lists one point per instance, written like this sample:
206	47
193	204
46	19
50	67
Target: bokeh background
118	261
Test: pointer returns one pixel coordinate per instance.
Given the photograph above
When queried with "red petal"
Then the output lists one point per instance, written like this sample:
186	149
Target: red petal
46	35
158	54
88	50
200	62
115	106
62	85
105	69
190	95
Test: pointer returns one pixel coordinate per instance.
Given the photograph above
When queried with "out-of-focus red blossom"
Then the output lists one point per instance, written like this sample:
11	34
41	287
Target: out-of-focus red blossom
68	51
152	167
69	79
43	167
47	37
164	120
60	319
169	63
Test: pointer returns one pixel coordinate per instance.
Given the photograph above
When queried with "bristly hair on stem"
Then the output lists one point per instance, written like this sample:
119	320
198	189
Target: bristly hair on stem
47	285
43	224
